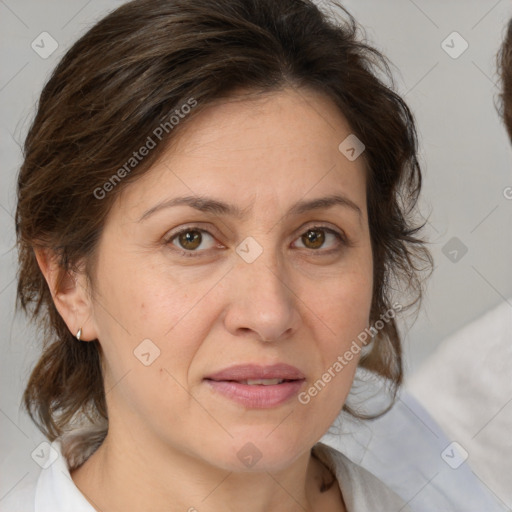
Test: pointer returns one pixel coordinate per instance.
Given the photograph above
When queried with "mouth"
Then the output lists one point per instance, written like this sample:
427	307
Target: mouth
261	382
257	387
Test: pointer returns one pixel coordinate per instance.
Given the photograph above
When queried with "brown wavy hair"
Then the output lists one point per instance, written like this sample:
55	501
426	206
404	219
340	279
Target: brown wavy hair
504	61
114	85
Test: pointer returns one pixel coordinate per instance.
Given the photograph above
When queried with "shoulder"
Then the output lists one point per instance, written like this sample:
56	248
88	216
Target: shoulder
361	490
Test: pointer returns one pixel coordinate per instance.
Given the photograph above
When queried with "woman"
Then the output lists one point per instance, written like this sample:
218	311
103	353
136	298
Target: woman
215	202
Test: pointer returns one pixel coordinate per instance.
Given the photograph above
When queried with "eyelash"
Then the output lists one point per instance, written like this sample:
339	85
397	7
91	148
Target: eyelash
341	238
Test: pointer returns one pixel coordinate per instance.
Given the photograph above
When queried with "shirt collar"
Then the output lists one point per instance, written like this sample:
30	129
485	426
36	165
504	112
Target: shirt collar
55	488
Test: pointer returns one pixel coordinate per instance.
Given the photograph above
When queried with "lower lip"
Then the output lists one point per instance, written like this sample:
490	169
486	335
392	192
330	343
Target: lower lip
257	396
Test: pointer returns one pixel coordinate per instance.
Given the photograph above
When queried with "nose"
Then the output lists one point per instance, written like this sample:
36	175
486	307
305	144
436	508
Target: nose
262	302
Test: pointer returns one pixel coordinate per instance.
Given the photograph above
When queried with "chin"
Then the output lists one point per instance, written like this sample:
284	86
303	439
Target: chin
258	451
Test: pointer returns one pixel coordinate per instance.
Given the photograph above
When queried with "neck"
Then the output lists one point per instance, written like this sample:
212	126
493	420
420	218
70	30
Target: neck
121	475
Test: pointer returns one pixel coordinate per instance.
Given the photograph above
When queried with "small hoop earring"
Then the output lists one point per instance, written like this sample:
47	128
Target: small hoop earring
79	334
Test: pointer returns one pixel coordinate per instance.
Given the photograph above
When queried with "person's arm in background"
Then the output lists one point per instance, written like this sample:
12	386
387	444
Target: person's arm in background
466	385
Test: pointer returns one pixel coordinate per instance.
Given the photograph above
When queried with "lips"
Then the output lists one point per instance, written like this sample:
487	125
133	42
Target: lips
257	387
249	372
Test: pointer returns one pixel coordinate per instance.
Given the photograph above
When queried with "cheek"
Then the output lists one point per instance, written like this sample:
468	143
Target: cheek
151	305
343	304
133	292
344	309
150	332
345	312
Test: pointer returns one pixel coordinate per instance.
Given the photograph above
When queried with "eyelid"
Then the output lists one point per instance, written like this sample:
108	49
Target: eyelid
321	225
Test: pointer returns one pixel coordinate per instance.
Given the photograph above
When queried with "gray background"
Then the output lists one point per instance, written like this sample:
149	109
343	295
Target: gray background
466	157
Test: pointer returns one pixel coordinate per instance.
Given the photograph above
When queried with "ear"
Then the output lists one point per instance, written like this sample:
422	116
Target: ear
70	293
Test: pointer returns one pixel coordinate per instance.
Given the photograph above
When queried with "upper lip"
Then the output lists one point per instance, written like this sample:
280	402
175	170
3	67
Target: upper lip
253	372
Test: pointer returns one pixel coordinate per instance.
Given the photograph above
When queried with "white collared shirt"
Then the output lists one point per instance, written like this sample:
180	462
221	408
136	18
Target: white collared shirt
53	490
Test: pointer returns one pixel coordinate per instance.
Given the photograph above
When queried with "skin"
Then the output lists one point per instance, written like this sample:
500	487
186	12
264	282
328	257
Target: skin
172	441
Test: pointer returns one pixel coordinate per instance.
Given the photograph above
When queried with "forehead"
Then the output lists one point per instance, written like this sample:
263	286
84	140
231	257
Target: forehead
275	148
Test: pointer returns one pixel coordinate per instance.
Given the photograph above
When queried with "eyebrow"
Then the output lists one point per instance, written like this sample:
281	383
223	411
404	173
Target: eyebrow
216	207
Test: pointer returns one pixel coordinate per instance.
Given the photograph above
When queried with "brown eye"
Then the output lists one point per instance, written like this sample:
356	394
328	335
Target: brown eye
190	239
317	237
313	238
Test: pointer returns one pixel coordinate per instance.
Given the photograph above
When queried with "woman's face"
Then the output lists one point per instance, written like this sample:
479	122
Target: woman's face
274	285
